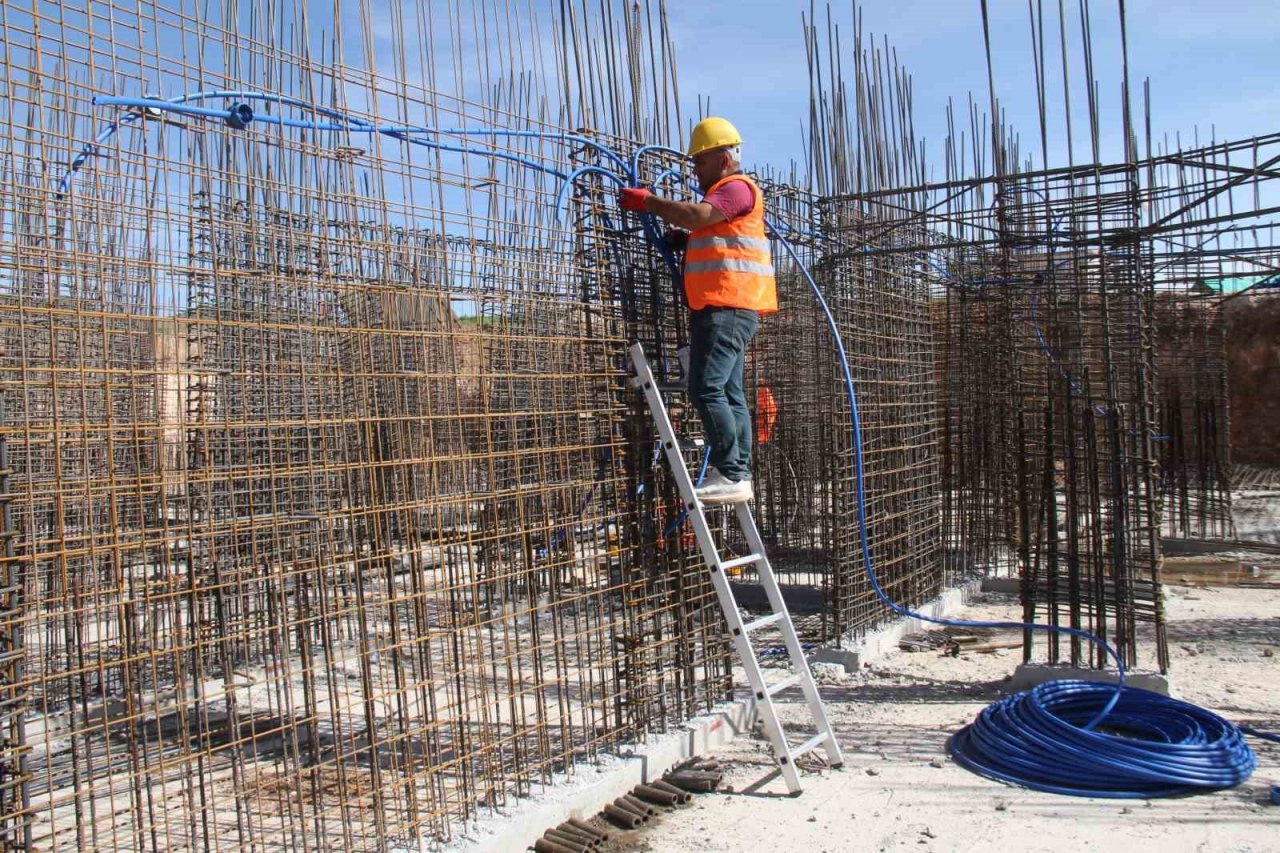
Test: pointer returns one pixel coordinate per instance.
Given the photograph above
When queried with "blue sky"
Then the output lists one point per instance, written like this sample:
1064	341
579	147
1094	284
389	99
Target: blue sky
1211	64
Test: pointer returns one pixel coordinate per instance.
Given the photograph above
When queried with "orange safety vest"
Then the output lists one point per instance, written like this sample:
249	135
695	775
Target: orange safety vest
728	264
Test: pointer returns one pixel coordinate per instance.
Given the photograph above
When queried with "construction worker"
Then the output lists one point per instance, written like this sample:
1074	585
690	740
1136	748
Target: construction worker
728	283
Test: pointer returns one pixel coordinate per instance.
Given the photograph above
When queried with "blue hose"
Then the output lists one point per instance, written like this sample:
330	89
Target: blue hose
240	116
1154	747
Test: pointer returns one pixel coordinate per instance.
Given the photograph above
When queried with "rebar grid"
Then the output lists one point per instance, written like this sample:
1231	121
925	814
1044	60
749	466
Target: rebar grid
321	473
883	308
791	387
1194	446
1046	365
1067	293
806	480
1045	320
1215	251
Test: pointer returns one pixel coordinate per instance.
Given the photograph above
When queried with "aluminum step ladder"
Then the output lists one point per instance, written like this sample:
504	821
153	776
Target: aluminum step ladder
784	753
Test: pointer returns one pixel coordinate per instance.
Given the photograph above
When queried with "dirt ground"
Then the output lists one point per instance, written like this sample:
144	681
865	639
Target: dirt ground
900	791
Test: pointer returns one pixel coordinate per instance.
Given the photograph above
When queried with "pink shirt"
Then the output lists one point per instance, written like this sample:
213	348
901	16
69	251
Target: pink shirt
732	199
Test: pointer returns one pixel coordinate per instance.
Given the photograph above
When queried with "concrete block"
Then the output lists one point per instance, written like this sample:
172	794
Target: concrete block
841	657
853	652
1004	586
1028	675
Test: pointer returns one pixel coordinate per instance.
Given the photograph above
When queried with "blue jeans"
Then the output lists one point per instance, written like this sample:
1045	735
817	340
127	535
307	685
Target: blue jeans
718	339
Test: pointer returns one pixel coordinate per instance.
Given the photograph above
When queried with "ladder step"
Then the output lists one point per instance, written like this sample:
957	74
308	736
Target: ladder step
739	562
763	622
789	681
808	746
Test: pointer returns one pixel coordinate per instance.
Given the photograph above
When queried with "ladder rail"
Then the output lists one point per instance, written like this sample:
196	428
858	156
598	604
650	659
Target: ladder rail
740	632
710	554
789	636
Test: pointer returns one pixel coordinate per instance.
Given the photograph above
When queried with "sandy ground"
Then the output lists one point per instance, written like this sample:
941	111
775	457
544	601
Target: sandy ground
900	791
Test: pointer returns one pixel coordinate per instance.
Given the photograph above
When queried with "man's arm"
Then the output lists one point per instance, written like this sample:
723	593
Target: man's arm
683	214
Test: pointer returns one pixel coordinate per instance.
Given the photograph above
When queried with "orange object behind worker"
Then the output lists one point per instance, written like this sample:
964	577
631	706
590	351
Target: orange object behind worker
766	414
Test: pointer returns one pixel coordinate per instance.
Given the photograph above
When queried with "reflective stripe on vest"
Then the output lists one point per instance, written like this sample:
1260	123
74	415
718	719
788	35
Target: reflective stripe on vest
729	243
728	263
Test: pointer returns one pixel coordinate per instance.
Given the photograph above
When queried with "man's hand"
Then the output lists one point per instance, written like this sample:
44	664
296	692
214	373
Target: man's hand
633	198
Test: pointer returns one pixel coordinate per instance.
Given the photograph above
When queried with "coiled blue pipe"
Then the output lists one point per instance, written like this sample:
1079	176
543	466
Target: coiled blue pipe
1154	746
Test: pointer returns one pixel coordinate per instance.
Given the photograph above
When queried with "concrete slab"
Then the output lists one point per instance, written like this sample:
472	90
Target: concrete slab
516	827
852	653
1028	675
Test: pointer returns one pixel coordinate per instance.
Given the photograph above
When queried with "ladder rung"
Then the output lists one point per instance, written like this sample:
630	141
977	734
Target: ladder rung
775	689
808	746
763	622
739	562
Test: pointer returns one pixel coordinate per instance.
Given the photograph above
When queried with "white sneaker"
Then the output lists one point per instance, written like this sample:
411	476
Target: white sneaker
719	489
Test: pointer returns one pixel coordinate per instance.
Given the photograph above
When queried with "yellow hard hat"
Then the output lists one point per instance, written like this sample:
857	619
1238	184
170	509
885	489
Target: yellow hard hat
713	132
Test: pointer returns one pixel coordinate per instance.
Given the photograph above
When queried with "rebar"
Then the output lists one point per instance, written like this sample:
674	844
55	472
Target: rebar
319	479
328	521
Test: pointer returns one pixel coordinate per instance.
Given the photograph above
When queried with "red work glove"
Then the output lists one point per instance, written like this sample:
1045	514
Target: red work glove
633	198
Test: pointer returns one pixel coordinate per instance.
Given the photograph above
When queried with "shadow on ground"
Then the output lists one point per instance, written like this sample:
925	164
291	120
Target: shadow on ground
1263	632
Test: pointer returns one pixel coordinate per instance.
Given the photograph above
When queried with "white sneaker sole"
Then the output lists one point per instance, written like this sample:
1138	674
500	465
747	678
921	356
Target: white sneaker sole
736	496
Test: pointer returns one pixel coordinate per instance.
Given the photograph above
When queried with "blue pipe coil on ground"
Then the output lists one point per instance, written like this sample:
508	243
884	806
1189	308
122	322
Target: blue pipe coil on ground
1148	746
